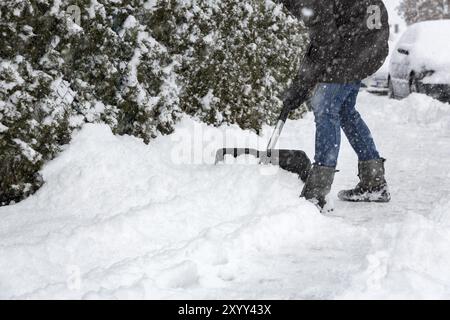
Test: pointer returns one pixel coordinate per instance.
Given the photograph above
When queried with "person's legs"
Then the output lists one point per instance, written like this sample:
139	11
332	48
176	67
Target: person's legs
372	186
354	127
326	104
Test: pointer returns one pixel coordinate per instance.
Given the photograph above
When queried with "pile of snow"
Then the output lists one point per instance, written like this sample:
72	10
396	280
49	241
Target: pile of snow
414	267
126	221
120	219
417	109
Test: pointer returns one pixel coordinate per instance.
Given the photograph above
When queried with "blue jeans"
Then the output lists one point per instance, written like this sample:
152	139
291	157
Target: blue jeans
334	108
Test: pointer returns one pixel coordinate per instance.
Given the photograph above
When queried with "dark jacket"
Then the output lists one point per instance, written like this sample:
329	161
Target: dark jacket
347	43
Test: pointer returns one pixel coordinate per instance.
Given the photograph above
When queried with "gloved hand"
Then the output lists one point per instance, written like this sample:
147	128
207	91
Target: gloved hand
301	87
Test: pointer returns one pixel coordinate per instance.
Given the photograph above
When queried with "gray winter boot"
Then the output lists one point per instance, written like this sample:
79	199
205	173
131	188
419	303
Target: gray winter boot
372	186
318	185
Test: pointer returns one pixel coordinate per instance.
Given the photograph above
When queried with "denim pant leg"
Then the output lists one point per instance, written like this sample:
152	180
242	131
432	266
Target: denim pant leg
356	130
326	103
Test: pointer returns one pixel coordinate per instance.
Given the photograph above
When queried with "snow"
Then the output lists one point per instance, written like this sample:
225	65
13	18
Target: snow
93	8
207	100
56	7
150	4
62	89
28	152
3	128
15	78
130	22
120	219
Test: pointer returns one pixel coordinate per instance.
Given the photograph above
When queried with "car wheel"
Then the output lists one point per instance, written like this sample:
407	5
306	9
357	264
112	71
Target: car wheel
414	85
391	92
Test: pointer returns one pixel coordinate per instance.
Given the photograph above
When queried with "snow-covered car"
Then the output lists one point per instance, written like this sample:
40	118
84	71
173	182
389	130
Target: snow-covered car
421	61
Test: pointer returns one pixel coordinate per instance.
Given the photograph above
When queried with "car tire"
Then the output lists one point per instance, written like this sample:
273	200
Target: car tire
391	92
414	85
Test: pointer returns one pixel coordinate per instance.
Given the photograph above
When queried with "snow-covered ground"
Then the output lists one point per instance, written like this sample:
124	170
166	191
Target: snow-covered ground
120	219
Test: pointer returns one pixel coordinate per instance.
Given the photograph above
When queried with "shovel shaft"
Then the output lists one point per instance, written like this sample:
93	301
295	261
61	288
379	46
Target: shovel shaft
303	96
275	135
284	113
279	127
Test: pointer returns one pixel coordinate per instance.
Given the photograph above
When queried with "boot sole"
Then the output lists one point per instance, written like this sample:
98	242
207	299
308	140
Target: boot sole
380	200
377	197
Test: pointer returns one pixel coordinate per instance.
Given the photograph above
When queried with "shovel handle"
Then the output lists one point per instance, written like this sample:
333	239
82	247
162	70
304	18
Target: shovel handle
275	135
303	96
284	114
279	127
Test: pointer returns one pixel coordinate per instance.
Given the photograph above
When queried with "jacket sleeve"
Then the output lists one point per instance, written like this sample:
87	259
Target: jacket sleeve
319	18
325	43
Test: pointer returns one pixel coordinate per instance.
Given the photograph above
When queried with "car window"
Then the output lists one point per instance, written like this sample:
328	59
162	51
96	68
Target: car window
409	37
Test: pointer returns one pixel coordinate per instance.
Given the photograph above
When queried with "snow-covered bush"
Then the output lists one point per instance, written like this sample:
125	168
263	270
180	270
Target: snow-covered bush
414	11
57	74
136	65
34	121
236	56
33	124
120	72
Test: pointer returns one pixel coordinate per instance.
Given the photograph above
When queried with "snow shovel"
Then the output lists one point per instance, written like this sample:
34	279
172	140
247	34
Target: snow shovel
294	161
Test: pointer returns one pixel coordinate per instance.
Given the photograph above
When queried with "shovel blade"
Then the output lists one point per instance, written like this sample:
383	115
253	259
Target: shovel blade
294	161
